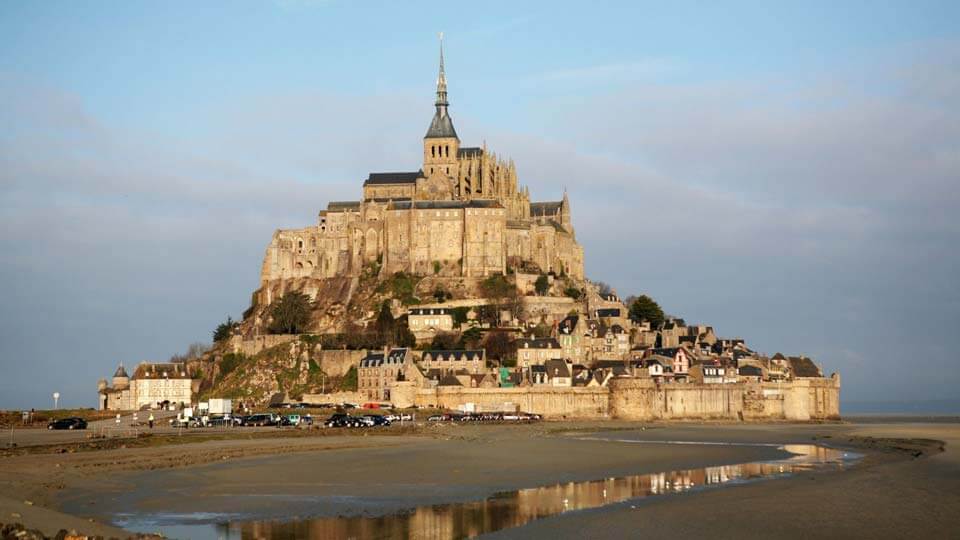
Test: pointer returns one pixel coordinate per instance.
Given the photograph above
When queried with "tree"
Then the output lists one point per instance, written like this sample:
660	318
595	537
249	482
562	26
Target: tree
445	341
196	350
290	314
385	320
542	285
224	330
403	337
470	339
498	346
604	288
459	315
573	292
645	308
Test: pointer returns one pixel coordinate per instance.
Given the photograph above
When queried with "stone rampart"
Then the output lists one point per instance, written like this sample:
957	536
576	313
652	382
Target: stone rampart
800	399
548	401
644	399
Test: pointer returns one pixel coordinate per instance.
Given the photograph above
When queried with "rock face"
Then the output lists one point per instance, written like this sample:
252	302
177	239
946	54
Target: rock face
296	367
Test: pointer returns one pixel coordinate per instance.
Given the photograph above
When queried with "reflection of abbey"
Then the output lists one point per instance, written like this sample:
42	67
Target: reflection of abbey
462	214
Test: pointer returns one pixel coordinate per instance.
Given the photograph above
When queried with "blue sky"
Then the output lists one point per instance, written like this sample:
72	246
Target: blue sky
785	172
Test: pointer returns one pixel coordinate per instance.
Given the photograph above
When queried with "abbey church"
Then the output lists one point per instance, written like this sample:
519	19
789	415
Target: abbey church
463	213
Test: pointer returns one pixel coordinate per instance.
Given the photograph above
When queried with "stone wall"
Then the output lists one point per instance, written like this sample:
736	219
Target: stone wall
643	399
800	399
333	397
548	401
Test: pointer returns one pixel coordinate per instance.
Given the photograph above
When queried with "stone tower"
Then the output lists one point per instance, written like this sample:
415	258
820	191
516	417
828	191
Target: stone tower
441	144
120	378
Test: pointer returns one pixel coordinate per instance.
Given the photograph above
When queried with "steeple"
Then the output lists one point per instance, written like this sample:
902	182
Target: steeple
442	125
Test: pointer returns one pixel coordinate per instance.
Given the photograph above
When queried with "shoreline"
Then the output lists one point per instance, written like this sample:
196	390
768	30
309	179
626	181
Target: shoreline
457	473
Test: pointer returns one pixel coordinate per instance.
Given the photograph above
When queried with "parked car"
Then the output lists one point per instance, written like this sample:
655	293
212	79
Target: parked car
400	417
68	423
377	420
221	421
339	420
263	419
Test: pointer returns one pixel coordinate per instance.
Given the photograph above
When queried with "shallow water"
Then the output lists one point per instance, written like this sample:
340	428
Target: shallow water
499	511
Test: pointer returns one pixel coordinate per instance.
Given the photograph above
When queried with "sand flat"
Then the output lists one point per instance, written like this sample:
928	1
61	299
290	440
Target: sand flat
889	495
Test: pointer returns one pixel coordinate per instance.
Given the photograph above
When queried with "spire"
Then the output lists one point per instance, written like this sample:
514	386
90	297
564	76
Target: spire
441	81
442	124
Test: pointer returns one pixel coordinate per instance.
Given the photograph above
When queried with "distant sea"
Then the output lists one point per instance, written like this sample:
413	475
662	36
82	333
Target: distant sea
931	407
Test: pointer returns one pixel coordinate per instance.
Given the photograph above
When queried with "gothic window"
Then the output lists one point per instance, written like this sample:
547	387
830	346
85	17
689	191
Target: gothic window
433	151
447	153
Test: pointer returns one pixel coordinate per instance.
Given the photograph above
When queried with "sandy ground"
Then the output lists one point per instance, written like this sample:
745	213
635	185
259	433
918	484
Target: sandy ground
889	495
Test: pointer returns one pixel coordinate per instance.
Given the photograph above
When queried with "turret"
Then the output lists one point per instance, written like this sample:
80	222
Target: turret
120	378
441	144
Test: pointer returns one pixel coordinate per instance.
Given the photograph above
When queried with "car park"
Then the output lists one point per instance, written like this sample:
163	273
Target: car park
68	423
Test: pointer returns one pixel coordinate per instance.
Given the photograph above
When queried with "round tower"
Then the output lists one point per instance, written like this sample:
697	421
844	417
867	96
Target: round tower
120	378
101	385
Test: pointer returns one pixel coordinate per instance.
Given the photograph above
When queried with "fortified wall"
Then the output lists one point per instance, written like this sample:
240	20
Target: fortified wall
801	399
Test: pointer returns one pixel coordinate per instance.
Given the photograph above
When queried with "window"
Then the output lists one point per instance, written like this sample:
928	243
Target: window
433	151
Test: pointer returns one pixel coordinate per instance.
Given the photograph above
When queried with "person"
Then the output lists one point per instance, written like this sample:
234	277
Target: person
150	420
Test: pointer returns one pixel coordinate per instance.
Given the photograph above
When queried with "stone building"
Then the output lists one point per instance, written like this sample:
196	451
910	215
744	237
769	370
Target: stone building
469	361
379	370
153	385
462	213
426	322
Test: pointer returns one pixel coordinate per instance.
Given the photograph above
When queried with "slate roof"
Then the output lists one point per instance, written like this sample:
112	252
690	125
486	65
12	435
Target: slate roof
750	371
393	178
440	205
545	209
537	343
429	311
453	356
449	380
395	356
803	367
343	206
441	127
172	370
120	372
469	151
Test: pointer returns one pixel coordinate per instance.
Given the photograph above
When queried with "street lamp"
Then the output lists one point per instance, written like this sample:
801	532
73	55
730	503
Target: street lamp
56	400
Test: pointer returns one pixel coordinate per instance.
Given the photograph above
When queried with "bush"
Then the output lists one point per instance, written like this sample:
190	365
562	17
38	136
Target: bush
349	381
542	285
230	362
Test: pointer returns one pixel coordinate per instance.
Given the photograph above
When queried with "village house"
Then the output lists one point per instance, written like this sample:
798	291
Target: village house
750	373
708	372
574	337
536	351
378	370
558	372
680	359
426	322
468	361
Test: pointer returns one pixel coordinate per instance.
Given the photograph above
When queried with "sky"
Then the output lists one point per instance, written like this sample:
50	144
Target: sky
787	172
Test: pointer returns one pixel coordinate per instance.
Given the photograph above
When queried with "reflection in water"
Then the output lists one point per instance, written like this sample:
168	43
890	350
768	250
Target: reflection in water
516	508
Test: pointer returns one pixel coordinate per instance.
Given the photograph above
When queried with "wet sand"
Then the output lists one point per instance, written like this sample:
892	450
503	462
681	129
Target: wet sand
890	494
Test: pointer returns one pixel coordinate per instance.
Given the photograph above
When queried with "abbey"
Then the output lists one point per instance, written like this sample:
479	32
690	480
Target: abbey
463	213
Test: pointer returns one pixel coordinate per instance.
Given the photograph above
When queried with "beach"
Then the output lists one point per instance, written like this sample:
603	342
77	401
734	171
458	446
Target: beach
900	487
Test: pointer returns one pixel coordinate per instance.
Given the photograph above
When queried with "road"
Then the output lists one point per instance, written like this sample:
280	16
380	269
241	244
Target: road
127	427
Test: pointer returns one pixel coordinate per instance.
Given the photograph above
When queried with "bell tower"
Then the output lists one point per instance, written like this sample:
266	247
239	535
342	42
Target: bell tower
441	144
